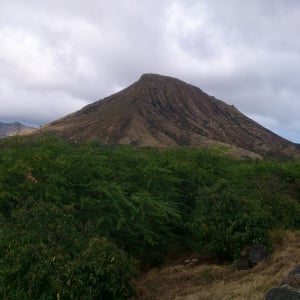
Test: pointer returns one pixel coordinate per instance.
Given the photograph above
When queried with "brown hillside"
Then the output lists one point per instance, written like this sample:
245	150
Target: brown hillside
163	111
10	129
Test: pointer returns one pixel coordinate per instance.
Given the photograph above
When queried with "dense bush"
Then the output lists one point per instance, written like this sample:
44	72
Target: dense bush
46	255
224	222
75	219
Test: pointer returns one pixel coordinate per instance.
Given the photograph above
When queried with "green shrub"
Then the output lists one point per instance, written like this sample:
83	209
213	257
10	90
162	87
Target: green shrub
44	255
223	224
73	216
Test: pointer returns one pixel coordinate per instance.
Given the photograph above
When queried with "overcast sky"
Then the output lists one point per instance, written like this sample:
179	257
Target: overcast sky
59	55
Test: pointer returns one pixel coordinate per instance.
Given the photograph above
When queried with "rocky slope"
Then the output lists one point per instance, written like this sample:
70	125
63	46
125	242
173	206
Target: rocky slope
163	111
9	129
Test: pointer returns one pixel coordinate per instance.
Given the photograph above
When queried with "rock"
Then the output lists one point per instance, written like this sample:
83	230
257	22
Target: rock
293	278
251	256
290	287
257	253
295	271
191	262
283	293
292	281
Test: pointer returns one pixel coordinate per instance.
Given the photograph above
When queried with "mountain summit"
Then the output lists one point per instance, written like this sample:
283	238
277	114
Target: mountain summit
163	111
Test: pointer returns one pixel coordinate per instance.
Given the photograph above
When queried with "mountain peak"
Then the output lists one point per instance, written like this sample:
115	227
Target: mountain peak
159	110
154	76
157	80
148	76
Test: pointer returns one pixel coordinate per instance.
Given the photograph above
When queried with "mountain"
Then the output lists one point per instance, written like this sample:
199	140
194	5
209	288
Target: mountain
16	128
163	111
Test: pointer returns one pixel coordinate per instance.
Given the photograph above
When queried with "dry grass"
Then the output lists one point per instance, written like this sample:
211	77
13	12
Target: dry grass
207	282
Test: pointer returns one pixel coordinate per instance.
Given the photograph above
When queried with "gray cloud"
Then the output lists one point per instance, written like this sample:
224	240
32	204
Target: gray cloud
57	56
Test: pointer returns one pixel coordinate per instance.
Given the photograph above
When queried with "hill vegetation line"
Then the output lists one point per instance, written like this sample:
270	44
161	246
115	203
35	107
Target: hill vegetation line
80	221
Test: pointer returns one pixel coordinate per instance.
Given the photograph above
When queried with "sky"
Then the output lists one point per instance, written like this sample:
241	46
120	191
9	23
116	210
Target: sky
60	55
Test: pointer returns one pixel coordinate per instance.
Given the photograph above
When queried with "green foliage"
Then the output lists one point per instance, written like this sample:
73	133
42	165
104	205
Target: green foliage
75	219
46	255
223	223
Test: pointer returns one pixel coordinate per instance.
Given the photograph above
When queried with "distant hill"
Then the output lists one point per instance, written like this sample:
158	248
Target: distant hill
9	129
163	111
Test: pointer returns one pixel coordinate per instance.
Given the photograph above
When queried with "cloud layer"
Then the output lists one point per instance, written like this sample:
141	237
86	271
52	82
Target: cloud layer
58	56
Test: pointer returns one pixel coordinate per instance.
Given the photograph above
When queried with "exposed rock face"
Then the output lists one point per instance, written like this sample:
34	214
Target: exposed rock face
289	289
283	293
9	129
163	111
293	278
256	254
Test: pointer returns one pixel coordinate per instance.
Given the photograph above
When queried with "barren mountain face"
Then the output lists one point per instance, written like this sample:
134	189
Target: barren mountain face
163	111
9	129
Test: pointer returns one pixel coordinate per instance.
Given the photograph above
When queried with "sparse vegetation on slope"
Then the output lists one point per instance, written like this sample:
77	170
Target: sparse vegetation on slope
211	281
78	220
161	111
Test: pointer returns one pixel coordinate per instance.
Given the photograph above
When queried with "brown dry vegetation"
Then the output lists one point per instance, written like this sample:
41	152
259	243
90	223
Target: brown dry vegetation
208	281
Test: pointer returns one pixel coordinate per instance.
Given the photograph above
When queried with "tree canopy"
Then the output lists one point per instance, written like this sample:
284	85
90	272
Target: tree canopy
79	221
